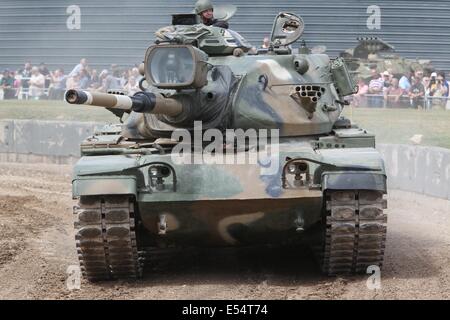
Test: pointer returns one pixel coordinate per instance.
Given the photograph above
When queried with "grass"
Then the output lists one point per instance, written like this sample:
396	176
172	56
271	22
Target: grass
389	125
399	125
53	110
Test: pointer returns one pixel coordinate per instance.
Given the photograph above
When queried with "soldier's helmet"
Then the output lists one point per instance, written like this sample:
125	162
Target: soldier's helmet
203	5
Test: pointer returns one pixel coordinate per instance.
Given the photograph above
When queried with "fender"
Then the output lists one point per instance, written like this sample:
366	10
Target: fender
102	185
352	180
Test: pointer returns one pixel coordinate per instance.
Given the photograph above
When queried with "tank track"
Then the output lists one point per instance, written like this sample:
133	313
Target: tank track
354	232
106	239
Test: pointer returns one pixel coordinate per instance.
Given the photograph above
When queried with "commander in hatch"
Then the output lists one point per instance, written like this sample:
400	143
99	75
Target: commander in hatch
205	9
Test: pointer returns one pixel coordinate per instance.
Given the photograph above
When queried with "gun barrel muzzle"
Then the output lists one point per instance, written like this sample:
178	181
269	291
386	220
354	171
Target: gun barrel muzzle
105	100
142	102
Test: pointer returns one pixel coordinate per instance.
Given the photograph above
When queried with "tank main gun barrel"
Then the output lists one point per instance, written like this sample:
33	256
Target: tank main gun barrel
142	102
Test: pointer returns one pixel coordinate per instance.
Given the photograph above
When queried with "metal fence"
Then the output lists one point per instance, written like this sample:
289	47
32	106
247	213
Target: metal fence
381	101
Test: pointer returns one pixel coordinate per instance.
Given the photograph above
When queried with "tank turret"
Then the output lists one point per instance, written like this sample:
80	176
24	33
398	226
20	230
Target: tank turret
299	94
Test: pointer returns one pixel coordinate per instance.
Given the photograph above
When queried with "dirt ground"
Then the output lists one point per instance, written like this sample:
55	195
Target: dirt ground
37	247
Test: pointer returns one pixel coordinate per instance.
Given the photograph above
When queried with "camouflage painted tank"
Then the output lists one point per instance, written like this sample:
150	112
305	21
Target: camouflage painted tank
373	52
316	178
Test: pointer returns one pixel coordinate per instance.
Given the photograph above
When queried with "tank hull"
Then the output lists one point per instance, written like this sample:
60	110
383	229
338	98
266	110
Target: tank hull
219	204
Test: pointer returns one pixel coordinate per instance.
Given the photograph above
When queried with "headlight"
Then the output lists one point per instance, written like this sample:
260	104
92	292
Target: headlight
159	171
292	169
176	66
297	168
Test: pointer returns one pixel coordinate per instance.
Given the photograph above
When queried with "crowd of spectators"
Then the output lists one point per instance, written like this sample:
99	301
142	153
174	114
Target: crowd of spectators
38	82
415	89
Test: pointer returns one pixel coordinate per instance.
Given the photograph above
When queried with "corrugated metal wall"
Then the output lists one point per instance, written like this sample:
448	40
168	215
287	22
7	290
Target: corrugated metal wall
114	31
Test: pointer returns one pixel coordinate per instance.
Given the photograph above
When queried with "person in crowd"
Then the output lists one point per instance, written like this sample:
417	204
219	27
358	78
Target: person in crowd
25	75
393	94
115	70
376	83
134	72
437	90
123	80
376	86
108	81
136	75
265	43
58	85
264	48
441	79
1	90
426	82
37	84
416	94
17	83
405	82
432	84
386	81
85	79
82	65
43	69
419	75
426	85
7	85
114	77
95	80
73	82
359	99
132	86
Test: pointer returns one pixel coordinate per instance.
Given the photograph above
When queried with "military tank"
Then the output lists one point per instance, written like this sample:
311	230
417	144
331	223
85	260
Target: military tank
375	53
317	178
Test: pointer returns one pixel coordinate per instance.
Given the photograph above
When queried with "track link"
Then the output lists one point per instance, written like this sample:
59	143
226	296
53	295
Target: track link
106	239
354	234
